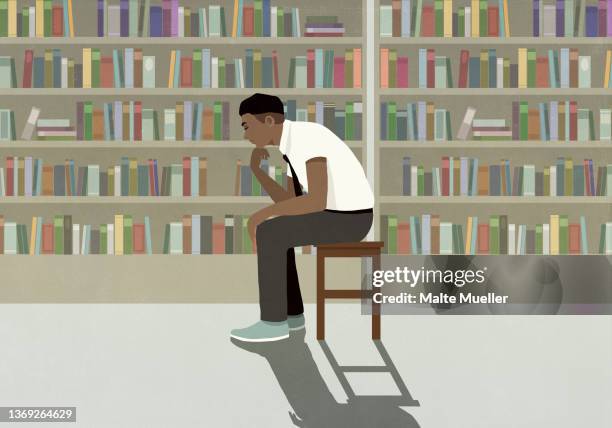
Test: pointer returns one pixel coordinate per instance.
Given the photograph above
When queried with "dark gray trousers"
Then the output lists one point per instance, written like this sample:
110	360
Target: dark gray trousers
279	288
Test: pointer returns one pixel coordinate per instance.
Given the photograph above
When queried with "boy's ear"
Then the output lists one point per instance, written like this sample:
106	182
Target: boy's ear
269	120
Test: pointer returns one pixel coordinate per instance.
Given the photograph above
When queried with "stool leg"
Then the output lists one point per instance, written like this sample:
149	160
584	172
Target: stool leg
375	306
320	296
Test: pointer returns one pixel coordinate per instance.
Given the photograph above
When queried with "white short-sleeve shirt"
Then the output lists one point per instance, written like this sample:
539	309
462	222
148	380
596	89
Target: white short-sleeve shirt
347	186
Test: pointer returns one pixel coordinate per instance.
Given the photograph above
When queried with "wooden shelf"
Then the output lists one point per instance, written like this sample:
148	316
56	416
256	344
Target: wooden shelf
134	200
471	92
162	144
180	41
508	200
480	144
520	40
159	92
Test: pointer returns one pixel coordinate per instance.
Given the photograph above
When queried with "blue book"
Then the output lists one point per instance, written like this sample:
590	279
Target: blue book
405	23
406	176
422	68
413	235
474	72
117	78
410	134
474	234
591	21
155	21
66	22
266	18
206	68
474	189
57	68
199	109
239	32
502	27
508	178
564	65
155	179
72	178
248	69
425	234
422	120
266	64
583	235
129	67
560	176
578	180
551	69
319	70
107	122
245	180
492	68
542	127
177	70
39	72
149	245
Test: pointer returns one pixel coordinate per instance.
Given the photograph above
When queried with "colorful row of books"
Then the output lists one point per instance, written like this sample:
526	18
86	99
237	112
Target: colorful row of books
28	176
45	19
428	234
199	234
562	68
466	176
246	184
123	69
322	68
345	122
124	236
572	18
438	18
552	121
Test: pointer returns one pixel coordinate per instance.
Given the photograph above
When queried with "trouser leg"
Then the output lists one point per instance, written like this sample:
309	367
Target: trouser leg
295	306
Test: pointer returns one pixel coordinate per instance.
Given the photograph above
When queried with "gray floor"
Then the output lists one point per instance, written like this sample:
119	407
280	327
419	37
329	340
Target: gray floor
174	366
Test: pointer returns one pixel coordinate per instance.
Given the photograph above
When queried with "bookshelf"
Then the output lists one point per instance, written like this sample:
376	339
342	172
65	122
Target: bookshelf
157	278
489	103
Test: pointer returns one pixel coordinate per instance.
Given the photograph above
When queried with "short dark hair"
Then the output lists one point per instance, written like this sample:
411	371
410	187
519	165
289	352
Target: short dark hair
261	105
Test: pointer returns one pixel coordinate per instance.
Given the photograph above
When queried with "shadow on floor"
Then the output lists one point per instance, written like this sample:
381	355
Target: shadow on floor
308	394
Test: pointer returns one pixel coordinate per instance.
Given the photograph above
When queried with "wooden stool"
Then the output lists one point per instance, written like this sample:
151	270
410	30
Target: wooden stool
346	249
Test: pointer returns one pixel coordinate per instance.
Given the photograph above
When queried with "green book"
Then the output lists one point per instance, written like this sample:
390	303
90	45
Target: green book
278	175
449	74
392	120
563	234
392	68
439	17
133	18
440	78
103	239
461	22
539	239
494	234
291	81
483	18
392	234
531	68
417	18
25	22
523	120
214	21
218	120
258	18
146	19
569	18
255	186
420	180
127	234
3	18
58	234
280	22
349	122
247	244
197	68
223	26
95	68
166	239
222	83
47	17
88	120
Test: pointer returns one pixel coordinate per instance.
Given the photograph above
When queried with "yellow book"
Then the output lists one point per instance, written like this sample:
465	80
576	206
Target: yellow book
33	236
257	68
475	20
40	19
506	19
86	67
569	177
522	67
607	69
235	20
554	234
133	190
448	18
172	63
119	234
12	18
468	236
70	19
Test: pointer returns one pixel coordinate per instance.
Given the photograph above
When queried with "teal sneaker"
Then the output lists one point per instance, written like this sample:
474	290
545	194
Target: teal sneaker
296	322
262	331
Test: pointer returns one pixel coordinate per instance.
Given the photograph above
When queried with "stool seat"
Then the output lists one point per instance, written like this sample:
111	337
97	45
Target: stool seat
370	249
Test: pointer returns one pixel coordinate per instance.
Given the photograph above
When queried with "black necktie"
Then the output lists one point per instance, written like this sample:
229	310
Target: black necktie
296	183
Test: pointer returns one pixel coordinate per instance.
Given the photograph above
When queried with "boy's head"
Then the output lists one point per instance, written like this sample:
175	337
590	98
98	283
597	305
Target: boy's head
260	113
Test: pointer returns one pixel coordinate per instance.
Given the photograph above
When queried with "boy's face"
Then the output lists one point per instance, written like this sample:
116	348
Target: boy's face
257	132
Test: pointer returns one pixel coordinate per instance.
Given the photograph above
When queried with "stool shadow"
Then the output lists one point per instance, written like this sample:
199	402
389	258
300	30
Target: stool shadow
313	404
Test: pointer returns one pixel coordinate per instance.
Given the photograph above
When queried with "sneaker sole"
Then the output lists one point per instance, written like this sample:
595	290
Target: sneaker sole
302	327
267	339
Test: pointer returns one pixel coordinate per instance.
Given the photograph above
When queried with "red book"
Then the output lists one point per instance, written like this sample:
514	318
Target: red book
310	68
186	72
601	26
151	178
402	72
445	175
464	57
218	238
47	238
483	239
187	248
186	176
396	19
166	17
10	165
139	238
107	72
338	72
428	28
493	26
57	21
248	21
542	72
138	120
431	68
275	68
574	238
27	68
403	238
573	121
